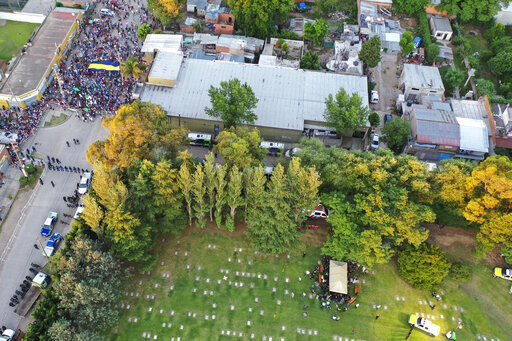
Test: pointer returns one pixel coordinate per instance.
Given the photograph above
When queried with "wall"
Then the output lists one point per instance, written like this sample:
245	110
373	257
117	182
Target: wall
23	17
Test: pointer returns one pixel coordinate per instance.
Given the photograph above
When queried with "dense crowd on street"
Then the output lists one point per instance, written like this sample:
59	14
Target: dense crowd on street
88	93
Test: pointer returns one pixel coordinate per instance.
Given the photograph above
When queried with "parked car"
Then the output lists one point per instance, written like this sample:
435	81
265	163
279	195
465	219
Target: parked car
85	182
375	142
320	212
79	212
503	273
387	118
292	152
374	97
52	244
49	224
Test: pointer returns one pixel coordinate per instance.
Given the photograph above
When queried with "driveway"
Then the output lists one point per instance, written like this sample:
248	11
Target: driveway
21	229
385	75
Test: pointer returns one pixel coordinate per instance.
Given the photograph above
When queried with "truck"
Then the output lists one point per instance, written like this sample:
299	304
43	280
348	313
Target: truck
8	335
39	282
52	244
424	324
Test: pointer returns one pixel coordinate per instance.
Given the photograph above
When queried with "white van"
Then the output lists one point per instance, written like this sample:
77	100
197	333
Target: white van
106	11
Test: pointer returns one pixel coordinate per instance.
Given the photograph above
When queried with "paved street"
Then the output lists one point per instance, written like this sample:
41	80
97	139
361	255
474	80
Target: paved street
22	226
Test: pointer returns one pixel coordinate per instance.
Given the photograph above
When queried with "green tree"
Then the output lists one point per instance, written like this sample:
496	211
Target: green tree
460	272
209	182
310	61
370	52
200	205
257	18
220	182
271	228
452	78
303	184
254	186
495	32
143	31
239	146
345	112
233	103
431	52
396	134
234	194
132	67
501	64
467	10
485	87
406	42
44	315
316	32
410	6
89	286
423	267
374	119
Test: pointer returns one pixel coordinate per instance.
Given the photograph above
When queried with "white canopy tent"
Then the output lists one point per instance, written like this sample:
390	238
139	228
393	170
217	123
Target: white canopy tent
338	277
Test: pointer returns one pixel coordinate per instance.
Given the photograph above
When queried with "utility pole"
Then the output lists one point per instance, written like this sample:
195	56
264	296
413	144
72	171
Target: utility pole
14	146
42	247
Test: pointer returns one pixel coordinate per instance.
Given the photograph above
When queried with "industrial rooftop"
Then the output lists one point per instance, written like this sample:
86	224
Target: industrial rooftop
287	97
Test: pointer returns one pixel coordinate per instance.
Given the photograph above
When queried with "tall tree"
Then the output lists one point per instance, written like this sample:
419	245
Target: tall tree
309	61
396	134
370	52
185	183
254	187
233	103
345	112
239	146
501	63
44	315
143	31
132	67
406	42
209	182
220	193
452	78
316	32
423	267
134	133
271	228
257	18
233	195
302	186
467	10
410	6
200	205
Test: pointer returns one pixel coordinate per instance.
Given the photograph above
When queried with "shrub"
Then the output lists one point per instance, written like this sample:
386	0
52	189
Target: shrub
374	119
460	272
25	180
30	168
230	224
59	4
371	85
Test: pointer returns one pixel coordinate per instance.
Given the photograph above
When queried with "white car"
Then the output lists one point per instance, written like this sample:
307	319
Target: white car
85	182
374	97
375	142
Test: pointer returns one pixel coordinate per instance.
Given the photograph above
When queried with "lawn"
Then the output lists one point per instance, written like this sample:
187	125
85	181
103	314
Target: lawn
181	296
56	120
13	35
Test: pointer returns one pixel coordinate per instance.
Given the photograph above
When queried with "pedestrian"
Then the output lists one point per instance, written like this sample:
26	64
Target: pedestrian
77	141
377	317
36	247
68	144
34	148
74	141
41	181
304	254
64	199
53	185
353	331
433	307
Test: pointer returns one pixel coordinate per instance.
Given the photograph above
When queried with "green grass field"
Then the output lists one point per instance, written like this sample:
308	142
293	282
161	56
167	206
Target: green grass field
13	35
483	305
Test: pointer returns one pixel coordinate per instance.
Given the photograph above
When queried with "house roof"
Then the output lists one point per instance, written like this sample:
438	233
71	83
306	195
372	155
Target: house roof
470	109
162	43
287	97
422	77
473	135
435	126
442	24
166	65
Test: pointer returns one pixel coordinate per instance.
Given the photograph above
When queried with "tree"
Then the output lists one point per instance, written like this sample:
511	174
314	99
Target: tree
406	42
485	87
431	52
220	182
396	134
136	132
302	184
467	10
132	67
199	191
233	103
316	32
209	182
501	63
370	52
254	186
374	119
450	183
460	272
233	195
310	61
410	6
185	183
199	25
490	191
239	146
258	17
143	31
89	287
172	7
345	112
452	78
44	315
271	228
423	267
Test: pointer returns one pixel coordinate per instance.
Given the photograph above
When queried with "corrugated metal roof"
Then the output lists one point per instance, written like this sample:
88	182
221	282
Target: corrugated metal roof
473	135
287	97
166	65
162	43
436	127
422	77
471	109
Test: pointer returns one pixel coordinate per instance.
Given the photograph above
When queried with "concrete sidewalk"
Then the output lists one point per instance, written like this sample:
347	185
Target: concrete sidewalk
10	187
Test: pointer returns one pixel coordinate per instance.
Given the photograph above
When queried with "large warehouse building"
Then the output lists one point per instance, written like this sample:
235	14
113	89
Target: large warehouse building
291	101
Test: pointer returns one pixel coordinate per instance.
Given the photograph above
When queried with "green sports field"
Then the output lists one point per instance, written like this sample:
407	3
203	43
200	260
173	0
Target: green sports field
182	297
13	35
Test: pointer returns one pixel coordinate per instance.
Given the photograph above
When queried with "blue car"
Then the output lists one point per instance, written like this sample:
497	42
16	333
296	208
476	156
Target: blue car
49	224
52	244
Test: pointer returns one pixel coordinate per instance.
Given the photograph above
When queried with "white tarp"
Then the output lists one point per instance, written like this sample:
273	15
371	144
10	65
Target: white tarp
473	135
338	277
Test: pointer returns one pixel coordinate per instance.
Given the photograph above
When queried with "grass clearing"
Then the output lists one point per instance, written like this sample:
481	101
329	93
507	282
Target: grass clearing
56	120
13	35
485	301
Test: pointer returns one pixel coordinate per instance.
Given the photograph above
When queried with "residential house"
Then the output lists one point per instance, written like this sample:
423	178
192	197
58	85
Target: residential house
419	80
198	7
374	20
440	28
272	54
297	25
